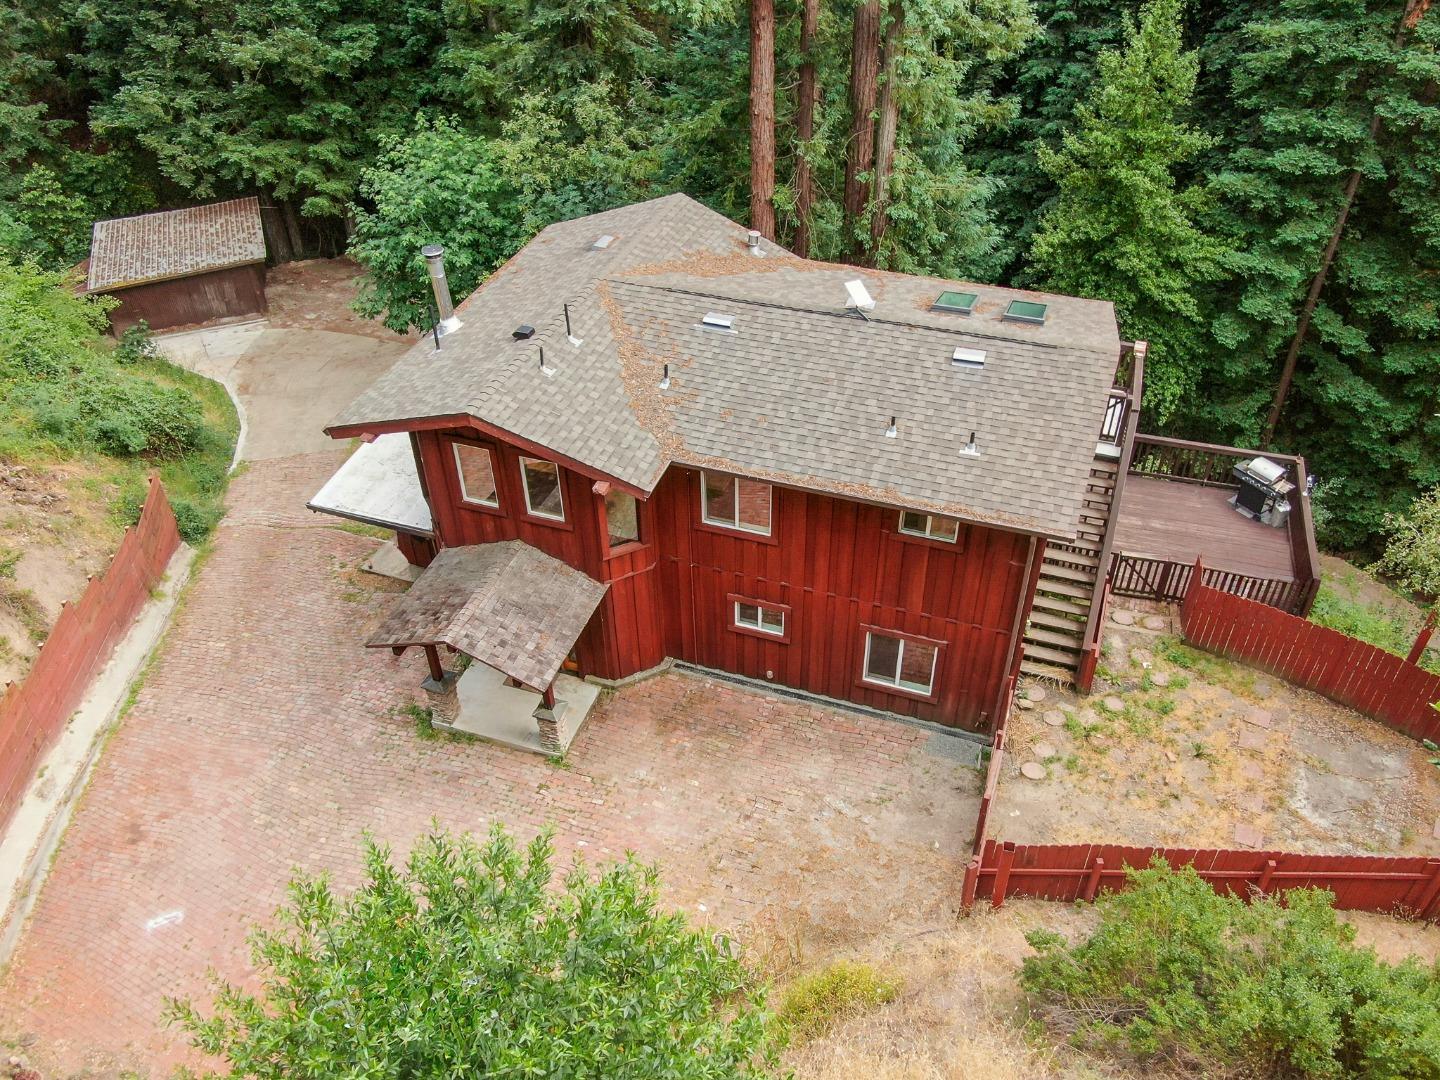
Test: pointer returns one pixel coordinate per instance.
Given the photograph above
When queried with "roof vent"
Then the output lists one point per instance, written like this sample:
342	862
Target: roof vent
545	369
955	303
523	331
602	242
892	432
859	297
752	241
969	358
971	448
569	333
713	320
665	378
1026	311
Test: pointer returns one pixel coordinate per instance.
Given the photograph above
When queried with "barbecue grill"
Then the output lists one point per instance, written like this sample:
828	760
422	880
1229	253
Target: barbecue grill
1263	488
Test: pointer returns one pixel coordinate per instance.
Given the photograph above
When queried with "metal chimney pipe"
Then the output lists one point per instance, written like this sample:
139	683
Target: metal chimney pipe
752	240
435	259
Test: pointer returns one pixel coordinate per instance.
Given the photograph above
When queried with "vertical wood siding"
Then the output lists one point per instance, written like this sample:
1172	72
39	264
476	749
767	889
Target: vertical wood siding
219	294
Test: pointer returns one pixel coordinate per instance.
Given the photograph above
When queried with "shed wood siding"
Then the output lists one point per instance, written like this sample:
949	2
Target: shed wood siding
839	566
219	294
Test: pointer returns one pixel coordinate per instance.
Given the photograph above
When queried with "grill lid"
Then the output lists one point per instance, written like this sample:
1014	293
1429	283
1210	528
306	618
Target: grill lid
1265	470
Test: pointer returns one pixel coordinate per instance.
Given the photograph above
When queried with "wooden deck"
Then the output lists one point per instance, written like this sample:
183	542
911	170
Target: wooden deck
1180	522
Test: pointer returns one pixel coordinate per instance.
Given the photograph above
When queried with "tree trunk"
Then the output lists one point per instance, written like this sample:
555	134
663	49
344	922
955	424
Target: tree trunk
860	157
886	129
805	126
292	227
277	238
1414	11
762	117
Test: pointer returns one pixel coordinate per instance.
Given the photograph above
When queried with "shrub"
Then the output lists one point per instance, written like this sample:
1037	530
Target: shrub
1176	972
117	412
814	1002
470	960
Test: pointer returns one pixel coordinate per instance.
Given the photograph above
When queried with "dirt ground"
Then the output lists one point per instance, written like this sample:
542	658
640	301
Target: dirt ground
315	294
960	1014
1182	748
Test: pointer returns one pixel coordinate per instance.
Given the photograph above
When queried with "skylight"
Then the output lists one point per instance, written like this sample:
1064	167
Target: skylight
955	303
969	358
1026	311
602	242
715	321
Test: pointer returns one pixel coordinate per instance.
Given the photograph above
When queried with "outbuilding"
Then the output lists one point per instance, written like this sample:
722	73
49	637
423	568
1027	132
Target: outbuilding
181	267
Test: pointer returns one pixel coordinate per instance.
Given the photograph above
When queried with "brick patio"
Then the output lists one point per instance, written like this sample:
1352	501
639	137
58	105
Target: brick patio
266	739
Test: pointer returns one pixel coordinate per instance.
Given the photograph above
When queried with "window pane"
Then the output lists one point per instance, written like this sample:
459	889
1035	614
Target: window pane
772	620
912	522
755	505
883	658
917	666
747	614
623	515
542	488
719	498
477	474
943	528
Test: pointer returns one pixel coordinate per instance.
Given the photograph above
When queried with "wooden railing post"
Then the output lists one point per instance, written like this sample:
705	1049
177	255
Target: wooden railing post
1002	874
1428	905
1092	882
1263	885
970	884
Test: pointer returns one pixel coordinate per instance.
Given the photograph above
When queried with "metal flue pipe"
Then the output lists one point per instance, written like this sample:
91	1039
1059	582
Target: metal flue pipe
435	260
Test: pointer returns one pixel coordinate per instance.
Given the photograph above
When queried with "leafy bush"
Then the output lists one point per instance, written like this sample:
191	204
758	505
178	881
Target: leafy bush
1176	972
118	413
471	961
812	1003
1412	547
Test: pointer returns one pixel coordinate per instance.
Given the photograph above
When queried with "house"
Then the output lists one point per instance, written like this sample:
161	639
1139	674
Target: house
181	267
652	436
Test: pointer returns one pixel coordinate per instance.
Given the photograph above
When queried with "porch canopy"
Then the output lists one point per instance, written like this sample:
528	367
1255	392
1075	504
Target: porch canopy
507	605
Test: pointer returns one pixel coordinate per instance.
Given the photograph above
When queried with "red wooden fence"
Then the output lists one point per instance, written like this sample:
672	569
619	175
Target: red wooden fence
1068	872
1367	679
33	712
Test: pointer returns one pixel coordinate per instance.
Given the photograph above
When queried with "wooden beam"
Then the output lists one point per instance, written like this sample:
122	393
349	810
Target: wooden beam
437	669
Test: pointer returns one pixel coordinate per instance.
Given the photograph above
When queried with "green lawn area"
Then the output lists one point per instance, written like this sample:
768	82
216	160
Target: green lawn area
1356	602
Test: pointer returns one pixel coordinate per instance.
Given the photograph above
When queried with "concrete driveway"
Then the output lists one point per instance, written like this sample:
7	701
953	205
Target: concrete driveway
289	382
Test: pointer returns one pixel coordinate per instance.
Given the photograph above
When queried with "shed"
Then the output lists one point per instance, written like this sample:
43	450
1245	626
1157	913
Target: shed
181	267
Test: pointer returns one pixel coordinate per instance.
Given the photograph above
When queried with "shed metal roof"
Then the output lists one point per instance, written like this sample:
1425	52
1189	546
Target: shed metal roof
174	243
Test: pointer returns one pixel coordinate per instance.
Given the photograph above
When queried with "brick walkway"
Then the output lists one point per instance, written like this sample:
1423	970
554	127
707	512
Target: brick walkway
266	738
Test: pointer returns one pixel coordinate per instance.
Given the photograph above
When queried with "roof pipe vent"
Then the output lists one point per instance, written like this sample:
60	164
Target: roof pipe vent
665	378
545	369
435	259
892	432
752	241
971	448
569	333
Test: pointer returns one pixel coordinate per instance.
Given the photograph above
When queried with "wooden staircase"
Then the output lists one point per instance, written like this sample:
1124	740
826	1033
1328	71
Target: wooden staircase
1055	634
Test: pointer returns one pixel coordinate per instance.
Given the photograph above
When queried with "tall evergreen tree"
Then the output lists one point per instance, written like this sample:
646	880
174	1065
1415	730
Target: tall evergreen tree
1121	228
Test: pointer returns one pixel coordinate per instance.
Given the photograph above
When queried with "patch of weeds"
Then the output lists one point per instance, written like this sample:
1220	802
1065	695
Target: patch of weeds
1105	709
1162	706
359	528
423	719
22	604
1179	682
560	760
1106	673
1146	682
814	1003
1203	665
1140	720
1203	752
8	561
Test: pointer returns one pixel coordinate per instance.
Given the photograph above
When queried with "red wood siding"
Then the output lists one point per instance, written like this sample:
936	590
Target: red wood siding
838	566
199	298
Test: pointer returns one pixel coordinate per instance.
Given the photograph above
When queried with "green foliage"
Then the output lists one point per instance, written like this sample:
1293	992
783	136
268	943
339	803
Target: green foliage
472	960
1175	972
1120	228
1412	547
814	1002
1384	627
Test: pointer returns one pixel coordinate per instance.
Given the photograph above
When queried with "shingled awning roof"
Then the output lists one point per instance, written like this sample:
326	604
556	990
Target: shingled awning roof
507	605
174	244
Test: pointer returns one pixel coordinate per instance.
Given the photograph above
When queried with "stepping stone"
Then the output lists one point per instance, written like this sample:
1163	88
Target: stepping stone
1263	689
1088	717
1032	770
1124	618
1155	622
1024	703
1251	771
1160	678
1054	717
1044	751
1035	693
1115	704
1248	836
1251	739
1252	804
1142	657
1259	717
1172	757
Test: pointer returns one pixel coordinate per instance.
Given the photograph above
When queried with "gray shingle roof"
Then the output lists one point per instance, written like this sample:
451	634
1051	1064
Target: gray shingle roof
174	243
801	392
508	605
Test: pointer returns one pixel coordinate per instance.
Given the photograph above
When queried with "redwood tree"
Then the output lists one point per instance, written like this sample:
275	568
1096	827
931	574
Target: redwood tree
808	95
860	155
762	117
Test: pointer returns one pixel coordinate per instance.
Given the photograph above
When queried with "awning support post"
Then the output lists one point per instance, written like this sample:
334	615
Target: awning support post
549	716
437	669
442	690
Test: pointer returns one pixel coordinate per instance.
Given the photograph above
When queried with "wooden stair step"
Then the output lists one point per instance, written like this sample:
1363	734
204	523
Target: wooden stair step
1064	588
1065	573
1052	621
1056	638
1039	670
1056	603
1071	556
1052	656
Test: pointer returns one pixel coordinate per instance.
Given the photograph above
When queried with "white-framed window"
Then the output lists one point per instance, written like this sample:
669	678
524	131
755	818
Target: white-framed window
476	469
930	526
734	502
901	662
541	480
765	619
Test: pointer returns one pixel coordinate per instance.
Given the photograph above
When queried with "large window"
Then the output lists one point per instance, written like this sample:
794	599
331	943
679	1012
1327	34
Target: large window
477	474
930	526
761	617
542	488
622	515
734	502
901	662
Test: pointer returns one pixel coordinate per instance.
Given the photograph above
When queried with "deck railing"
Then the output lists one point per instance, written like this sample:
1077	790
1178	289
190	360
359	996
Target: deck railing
1151	578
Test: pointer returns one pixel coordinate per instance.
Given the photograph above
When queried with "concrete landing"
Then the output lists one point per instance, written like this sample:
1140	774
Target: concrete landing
503	714
388	562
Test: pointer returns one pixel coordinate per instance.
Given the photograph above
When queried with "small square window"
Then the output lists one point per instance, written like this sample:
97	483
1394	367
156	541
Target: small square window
477	474
955	303
904	663
542	488
735	502
622	517
1026	311
755	616
930	526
